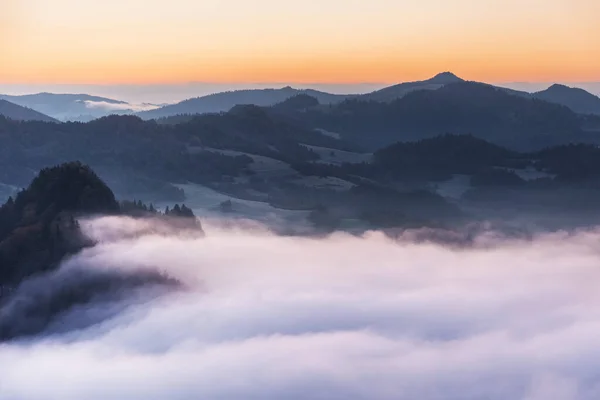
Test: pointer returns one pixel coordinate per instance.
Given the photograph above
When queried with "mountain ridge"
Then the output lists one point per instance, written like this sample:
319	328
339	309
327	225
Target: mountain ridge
484	110
83	107
20	113
400	90
224	101
578	100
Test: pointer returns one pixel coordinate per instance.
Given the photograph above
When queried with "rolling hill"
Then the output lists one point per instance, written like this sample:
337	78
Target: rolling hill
84	108
576	99
483	110
395	92
222	102
19	113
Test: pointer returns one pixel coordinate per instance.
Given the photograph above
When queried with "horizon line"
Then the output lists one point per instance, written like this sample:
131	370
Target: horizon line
278	83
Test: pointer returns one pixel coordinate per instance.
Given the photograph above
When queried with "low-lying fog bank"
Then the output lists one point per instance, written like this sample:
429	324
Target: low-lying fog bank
245	314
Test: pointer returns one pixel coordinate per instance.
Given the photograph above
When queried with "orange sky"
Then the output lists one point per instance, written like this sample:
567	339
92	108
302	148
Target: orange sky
150	41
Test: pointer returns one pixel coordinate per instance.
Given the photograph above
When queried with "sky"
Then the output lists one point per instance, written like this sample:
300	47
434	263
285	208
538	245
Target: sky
313	41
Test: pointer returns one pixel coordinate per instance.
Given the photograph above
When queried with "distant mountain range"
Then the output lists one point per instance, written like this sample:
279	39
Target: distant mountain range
83	108
19	113
74	107
395	92
221	102
576	99
462	107
138	157
225	101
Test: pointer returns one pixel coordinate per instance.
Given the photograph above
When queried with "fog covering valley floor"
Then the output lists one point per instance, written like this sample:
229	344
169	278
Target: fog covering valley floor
262	316
445	245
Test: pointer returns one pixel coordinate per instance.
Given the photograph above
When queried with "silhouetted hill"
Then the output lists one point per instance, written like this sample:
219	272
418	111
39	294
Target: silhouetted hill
395	92
224	101
19	113
273	154
143	159
38	227
556	188
576	99
221	102
298	103
441	157
466	107
252	129
445	78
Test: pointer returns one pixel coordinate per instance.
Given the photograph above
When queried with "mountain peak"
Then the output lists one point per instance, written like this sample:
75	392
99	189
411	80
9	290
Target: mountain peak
576	99
558	86
445	78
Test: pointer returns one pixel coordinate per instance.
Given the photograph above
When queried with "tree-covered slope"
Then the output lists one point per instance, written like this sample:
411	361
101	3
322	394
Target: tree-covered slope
19	113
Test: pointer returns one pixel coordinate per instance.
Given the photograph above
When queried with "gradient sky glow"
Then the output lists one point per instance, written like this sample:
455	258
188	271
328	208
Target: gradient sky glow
152	41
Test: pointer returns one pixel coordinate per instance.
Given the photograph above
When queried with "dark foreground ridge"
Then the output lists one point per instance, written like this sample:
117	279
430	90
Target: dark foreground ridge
39	228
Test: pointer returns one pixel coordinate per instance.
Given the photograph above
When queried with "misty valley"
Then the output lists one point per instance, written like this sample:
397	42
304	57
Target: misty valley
430	240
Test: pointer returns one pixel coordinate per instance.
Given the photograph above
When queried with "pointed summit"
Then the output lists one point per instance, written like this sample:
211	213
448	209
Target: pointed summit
395	92
557	87
445	78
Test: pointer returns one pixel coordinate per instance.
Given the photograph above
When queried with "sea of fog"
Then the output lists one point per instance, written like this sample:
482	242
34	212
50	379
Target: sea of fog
262	316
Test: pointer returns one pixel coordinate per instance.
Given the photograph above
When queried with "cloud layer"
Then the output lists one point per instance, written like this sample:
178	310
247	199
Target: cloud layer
106	106
269	317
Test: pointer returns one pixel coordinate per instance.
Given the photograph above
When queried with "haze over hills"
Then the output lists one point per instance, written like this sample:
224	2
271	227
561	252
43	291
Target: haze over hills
83	107
301	155
533	87
262	176
19	113
221	102
283	154
299	200
576	99
395	92
74	107
464	107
